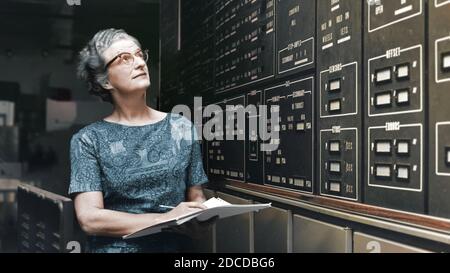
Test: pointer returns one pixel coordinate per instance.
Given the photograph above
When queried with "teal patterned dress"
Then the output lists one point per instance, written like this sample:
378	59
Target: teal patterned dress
137	168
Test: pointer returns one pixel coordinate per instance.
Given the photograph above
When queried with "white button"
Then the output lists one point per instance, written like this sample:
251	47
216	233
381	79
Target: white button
301	126
384	75
335	146
383	147
299	105
299	182
403	147
335	186
403	96
446	61
383	99
335	167
403	71
448	156
383	171
335	105
403	172
335	85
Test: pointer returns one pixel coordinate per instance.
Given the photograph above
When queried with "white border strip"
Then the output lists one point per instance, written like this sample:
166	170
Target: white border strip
436	4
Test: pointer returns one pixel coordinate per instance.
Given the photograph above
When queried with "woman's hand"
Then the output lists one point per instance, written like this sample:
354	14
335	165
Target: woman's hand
185	208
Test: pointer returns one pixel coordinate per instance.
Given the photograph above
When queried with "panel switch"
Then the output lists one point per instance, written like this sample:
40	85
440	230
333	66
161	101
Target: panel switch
383	99
383	147
334	105
383	171
334	146
335	186
403	72
403	172
447	156
335	85
383	75
299	182
403	147
446	62
335	166
301	126
403	96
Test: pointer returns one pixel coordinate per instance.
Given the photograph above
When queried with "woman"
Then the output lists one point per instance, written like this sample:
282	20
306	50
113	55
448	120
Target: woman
124	167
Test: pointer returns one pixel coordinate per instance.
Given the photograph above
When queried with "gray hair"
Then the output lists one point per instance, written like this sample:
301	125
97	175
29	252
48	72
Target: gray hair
91	66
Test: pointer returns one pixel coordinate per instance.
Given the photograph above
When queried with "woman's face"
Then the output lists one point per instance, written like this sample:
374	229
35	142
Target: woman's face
124	75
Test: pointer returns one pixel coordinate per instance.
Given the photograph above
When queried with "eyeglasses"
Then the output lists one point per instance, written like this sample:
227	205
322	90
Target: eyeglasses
127	58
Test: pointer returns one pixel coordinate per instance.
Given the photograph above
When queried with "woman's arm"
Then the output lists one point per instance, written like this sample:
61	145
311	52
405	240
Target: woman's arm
195	194
95	220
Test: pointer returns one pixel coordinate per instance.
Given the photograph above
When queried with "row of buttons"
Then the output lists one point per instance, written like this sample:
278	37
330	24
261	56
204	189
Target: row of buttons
384	171
384	98
299	182
385	147
334	166
384	75
334	87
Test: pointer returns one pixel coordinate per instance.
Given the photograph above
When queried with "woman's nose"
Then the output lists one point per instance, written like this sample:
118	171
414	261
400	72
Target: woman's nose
139	62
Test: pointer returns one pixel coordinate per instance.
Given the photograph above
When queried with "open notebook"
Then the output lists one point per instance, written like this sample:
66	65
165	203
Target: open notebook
215	207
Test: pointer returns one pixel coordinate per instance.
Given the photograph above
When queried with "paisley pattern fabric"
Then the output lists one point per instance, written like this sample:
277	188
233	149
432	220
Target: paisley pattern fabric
137	168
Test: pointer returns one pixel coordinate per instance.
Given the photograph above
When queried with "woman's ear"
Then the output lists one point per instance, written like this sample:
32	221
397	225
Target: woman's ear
106	85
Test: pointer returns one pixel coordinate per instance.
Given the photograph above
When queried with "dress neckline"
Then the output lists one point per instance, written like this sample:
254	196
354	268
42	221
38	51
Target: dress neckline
137	126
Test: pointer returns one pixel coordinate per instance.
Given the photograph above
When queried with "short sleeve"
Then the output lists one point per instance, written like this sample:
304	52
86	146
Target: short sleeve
85	175
197	174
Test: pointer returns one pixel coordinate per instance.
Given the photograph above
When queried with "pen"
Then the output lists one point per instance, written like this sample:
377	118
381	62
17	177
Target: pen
166	207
